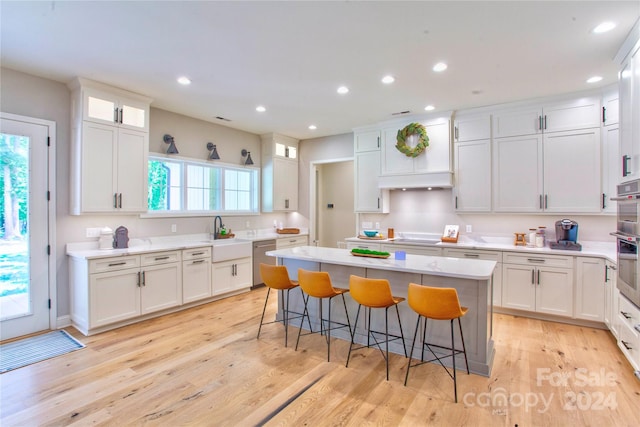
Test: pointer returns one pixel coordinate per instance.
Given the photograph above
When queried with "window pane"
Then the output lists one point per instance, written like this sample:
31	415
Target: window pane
165	180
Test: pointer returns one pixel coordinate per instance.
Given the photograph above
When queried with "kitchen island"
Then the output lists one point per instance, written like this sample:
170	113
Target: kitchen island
471	278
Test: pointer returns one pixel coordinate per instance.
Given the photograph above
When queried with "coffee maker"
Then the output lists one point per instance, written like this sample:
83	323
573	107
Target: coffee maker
566	236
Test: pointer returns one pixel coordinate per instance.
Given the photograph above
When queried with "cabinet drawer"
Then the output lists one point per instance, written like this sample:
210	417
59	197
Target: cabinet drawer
196	253
473	254
415	250
291	242
541	260
628	313
363	245
103	265
160	258
629	343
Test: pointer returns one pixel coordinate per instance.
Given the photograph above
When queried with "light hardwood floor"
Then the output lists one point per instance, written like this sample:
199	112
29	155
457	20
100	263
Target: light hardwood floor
205	367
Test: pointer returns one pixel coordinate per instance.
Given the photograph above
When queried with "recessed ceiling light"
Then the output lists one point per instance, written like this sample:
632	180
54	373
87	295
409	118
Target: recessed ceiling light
184	80
388	80
429	108
440	66
604	27
342	90
260	109
312	127
594	79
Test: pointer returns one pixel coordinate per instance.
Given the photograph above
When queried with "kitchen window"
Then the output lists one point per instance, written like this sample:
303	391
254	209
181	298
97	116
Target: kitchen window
183	186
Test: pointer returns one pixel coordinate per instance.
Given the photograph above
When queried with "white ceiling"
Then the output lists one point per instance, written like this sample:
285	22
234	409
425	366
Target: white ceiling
292	56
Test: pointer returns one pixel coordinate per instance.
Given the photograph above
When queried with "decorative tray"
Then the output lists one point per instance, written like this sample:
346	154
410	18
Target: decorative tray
225	236
362	236
288	231
370	255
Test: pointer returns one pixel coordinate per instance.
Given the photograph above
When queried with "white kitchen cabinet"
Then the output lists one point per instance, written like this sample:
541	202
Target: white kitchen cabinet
109	149
472	127
610	167
231	276
629	331
629	94
291	242
483	255
558	116
113	296
279	173
368	196
161	287
196	274
364	245
611	294
472	175
611	107
411	249
368	140
542	284
591	289
557	172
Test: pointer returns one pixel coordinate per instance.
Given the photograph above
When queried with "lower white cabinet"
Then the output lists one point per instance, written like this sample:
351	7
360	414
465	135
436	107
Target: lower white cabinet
232	275
291	242
484	255
629	331
415	250
109	290
543	284
196	274
364	245
591	289
611	294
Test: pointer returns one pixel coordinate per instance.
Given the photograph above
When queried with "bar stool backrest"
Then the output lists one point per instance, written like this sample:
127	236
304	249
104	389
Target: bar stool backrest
316	283
434	303
276	276
374	293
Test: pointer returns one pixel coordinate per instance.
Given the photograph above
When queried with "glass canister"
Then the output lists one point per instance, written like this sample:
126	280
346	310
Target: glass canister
539	239
531	237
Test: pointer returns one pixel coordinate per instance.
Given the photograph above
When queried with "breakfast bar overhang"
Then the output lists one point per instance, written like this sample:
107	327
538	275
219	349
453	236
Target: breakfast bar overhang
471	278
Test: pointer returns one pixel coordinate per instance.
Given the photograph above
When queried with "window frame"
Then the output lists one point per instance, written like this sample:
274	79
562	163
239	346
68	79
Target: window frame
254	194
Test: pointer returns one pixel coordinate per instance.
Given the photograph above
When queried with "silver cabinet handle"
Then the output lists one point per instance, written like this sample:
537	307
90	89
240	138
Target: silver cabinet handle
626	345
160	258
115	115
199	261
471	255
143	280
533	276
138	281
113	264
197	253
115	200
626	315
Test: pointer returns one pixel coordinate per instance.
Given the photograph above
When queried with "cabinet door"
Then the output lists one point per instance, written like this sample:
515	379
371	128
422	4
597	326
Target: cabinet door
134	114
132	176
610	297
472	128
393	161
610	108
285	185
591	289
100	107
517	174
196	280
611	167
437	156
473	176
581	113
221	277
518	287
628	155
554	291
367	141
98	186
516	122
572	171
363	245
242	276
113	297
367	194
161	287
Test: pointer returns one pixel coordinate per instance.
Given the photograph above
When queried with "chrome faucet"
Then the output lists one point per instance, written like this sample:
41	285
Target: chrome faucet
216	229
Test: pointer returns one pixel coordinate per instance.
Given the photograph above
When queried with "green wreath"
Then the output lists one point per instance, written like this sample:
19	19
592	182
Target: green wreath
412	129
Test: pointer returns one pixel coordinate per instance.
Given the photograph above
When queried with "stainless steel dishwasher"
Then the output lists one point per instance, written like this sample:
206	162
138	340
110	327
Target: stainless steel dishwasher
260	248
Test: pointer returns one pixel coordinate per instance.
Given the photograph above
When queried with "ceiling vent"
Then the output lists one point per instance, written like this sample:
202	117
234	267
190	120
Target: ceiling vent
400	113
223	119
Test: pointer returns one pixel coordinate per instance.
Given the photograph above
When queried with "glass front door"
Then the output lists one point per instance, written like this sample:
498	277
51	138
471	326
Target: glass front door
24	232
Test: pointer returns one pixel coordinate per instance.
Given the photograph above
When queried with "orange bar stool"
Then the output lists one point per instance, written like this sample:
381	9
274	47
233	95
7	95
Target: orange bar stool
437	304
317	284
375	293
276	277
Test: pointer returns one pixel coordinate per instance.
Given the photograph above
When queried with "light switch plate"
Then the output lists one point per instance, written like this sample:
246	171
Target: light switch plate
469	229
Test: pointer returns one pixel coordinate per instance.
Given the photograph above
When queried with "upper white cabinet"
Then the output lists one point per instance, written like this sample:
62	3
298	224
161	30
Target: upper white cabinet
368	196
629	90
109	149
432	168
279	173
550	163
472	163
580	113
610	107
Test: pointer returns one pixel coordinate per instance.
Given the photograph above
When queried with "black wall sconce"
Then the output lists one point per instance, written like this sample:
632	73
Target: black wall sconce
213	155
247	154
168	139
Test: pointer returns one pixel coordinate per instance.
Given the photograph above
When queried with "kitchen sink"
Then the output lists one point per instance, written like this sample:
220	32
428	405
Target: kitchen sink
226	249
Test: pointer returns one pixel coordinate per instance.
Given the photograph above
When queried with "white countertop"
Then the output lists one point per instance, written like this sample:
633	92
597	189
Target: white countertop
594	249
434	265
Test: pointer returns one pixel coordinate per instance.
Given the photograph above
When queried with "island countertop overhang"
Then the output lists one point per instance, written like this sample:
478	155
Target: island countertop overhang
473	269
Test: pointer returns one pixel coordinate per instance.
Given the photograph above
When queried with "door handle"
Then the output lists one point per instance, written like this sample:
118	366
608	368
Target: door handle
143	280
625	167
138	280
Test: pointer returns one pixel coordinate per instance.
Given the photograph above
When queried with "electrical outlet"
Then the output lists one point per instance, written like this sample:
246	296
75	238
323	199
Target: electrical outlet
377	226
93	232
469	229
174	228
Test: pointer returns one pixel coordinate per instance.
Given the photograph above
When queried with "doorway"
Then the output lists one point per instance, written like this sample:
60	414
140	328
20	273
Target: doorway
334	218
26	209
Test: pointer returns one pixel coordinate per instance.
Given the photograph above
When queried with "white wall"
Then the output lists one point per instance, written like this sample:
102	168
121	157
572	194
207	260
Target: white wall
336	188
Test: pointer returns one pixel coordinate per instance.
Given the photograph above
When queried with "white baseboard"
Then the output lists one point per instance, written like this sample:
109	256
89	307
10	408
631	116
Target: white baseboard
63	321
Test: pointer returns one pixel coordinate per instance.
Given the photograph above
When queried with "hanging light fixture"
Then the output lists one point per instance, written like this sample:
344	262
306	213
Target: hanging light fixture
213	155
247	154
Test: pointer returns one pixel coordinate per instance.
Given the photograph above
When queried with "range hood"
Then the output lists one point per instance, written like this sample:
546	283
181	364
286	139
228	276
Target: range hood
417	180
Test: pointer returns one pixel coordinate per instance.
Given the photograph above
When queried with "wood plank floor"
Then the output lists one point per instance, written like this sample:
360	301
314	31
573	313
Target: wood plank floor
205	367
